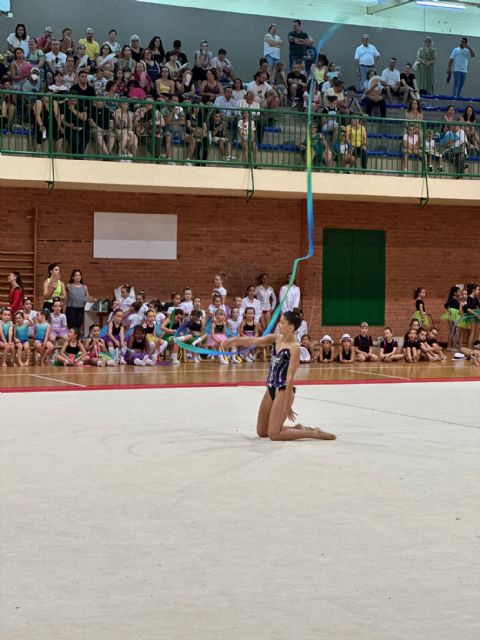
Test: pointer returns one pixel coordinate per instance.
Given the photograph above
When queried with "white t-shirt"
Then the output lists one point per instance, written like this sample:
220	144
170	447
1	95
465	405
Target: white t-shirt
301	331
15	43
212	308
56	60
259	90
274	52
238	94
221	290
116	47
233	325
460	59
391	77
187	306
412	140
366	55
292	300
126	303
252	303
266	297
242	105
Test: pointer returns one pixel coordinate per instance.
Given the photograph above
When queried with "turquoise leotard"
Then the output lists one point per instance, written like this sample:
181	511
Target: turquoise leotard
6	328
41	331
22	333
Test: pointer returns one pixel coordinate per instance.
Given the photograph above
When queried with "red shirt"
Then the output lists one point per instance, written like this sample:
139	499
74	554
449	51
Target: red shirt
16	300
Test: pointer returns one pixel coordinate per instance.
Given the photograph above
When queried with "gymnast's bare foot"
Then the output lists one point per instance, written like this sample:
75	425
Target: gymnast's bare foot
317	432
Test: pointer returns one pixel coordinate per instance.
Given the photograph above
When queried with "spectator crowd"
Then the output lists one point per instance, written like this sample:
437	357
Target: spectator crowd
70	90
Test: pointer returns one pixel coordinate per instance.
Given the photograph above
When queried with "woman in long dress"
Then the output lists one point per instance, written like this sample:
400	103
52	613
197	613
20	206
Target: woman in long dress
425	64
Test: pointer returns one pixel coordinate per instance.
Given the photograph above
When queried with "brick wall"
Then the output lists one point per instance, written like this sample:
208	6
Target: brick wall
433	247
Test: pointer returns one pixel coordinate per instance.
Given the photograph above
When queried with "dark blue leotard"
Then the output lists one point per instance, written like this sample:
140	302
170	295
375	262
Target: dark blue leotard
277	373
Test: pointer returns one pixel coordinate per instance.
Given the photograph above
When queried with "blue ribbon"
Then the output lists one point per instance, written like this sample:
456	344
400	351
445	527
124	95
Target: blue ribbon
296	262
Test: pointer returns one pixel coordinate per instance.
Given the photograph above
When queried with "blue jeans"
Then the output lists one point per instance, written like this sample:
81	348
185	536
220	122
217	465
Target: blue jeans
458	82
292	60
271	60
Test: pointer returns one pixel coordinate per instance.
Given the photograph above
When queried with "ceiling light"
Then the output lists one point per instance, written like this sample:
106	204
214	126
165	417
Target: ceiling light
441	4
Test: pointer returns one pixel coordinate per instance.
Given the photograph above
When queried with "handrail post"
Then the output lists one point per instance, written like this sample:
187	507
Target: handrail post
50	125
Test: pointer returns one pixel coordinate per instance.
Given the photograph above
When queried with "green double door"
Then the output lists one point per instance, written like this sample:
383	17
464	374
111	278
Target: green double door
353	277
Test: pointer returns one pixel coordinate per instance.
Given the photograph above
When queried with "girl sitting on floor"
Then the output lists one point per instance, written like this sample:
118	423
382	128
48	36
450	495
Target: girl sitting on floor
169	327
137	349
153	331
218	334
389	350
115	338
72	353
249	328
97	350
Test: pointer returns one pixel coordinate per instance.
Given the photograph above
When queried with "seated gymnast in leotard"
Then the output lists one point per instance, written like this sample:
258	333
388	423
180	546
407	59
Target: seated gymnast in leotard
277	402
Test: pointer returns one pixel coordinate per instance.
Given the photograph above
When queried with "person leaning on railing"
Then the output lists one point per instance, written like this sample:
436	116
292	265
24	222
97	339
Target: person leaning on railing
74	123
124	130
102	124
175	128
47	119
246	134
321	153
150	125
356	135
7	111
454	141
472	132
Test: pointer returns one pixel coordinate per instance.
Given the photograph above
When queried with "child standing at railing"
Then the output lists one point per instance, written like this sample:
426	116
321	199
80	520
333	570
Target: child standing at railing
411	146
432	155
357	137
246	135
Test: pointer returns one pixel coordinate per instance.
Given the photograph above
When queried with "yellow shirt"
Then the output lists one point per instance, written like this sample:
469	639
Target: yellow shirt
355	135
92	48
319	74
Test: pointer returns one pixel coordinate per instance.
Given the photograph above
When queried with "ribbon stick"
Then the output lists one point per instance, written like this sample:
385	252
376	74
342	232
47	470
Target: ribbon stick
296	262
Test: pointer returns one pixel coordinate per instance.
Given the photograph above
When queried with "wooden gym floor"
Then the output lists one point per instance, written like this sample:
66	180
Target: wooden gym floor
213	374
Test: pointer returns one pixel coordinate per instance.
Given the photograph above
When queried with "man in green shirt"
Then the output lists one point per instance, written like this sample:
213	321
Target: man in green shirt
298	42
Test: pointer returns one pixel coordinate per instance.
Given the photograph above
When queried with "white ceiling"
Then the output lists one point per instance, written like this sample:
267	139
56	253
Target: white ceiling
409	17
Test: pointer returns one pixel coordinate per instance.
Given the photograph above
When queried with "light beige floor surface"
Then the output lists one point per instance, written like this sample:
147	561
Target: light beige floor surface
157	514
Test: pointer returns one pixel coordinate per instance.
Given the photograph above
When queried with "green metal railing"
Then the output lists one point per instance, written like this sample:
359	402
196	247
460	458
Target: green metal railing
108	128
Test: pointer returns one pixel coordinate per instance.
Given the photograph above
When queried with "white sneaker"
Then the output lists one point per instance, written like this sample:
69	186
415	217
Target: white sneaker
222	360
110	363
196	358
122	360
140	363
149	362
175	361
248	358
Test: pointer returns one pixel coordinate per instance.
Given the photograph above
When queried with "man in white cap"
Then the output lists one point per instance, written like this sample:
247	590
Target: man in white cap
45	42
91	46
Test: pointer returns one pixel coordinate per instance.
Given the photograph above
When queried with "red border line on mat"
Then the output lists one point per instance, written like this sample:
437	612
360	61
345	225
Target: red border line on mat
193	385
